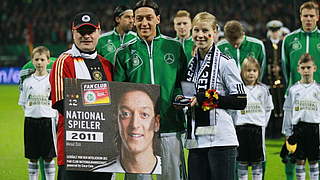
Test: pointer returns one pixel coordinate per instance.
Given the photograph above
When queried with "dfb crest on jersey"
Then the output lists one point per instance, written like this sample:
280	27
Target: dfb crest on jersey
97	75
110	46
318	47
227	52
136	60
296	45
168	58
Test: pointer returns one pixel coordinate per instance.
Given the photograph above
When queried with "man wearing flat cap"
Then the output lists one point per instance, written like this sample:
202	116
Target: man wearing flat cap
79	62
121	33
274	76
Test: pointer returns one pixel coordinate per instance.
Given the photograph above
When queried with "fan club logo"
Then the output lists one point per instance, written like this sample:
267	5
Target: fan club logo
95	93
168	58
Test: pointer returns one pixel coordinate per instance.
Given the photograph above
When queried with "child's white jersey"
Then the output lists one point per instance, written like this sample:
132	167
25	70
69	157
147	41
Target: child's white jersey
302	104
259	106
34	97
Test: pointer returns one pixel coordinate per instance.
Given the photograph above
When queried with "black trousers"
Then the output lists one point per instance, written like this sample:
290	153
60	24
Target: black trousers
214	163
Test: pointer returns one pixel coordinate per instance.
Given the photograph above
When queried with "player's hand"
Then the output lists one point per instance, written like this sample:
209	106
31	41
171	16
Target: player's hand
177	102
194	101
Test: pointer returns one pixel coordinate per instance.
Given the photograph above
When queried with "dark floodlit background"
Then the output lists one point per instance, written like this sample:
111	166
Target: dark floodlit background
28	23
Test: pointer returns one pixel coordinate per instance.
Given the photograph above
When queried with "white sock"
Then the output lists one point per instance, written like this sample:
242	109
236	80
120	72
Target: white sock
300	172
314	171
33	170
242	171
49	170
257	171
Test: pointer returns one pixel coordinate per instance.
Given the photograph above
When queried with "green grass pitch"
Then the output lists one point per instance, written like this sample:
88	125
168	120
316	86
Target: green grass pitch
13	165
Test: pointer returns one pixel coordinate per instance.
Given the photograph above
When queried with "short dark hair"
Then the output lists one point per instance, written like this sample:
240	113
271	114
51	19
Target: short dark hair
147	3
233	30
118	12
305	58
145	89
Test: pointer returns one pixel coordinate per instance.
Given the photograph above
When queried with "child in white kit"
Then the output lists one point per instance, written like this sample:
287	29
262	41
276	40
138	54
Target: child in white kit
302	118
38	133
251	122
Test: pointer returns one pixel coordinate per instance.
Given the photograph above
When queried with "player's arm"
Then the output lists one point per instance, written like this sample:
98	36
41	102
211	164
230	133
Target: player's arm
119	73
99	46
22	97
268	105
263	60
182	67
285	61
287	128
236	98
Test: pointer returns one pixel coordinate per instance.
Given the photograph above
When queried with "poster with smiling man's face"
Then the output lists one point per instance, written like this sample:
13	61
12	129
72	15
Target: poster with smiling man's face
112	126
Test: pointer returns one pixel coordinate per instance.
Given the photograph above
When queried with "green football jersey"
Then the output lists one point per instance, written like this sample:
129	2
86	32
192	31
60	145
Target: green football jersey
294	46
249	47
162	62
110	41
187	45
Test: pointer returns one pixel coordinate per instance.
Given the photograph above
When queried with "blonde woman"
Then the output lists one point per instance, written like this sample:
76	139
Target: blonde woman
211	136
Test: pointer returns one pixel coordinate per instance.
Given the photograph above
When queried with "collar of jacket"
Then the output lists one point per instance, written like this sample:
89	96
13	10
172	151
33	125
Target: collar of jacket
313	31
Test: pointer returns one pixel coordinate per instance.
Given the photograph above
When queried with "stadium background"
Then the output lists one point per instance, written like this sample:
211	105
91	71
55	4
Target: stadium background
25	24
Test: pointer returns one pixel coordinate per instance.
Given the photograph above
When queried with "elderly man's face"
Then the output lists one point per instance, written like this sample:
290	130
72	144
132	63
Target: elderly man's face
137	122
86	38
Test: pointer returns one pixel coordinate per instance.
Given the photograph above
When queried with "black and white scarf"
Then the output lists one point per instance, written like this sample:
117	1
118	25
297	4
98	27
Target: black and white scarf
204	76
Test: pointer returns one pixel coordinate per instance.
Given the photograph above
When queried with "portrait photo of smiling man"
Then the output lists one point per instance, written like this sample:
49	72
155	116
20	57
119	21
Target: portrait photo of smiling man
138	124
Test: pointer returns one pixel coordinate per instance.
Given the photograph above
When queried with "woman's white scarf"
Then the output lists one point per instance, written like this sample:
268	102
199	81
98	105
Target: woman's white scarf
204	76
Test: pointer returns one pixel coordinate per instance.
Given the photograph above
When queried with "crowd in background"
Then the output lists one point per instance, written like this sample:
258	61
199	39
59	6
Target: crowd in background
48	21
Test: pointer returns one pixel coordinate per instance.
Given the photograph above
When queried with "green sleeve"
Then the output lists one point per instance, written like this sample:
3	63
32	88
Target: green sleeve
285	62
119	73
52	60
181	72
99	46
262	59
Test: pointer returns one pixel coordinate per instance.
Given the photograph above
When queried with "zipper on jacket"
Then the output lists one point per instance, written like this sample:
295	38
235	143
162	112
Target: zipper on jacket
150	60
307	43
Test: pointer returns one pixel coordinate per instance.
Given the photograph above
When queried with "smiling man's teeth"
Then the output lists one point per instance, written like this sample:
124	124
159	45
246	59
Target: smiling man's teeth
135	135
